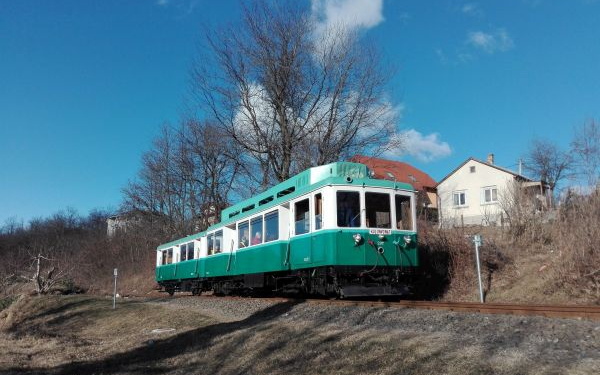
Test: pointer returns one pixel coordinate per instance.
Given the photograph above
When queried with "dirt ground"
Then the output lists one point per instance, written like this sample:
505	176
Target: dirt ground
83	335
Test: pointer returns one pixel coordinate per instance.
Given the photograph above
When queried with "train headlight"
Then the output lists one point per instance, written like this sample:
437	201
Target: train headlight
407	239
357	239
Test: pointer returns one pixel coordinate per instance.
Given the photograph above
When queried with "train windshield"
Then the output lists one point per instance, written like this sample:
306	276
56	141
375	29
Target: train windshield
378	210
348	209
403	213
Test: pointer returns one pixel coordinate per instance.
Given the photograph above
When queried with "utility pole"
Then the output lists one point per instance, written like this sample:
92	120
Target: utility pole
520	166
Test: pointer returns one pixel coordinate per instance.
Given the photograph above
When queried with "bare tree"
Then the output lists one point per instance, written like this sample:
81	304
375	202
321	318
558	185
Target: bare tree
212	164
186	178
45	276
293	96
586	150
521	211
547	162
158	189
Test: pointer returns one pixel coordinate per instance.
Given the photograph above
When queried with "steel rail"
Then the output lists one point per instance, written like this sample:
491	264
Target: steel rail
546	310
551	311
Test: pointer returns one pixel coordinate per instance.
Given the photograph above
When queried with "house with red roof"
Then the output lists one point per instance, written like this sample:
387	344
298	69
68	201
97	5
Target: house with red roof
399	171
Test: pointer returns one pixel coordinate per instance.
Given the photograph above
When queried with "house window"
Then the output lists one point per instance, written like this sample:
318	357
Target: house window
489	194
459	198
472	169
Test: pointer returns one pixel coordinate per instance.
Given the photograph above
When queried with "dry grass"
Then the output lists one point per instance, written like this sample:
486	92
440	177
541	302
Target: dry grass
547	258
82	335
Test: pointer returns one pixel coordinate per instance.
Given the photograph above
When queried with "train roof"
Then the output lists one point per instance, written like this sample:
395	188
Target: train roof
339	173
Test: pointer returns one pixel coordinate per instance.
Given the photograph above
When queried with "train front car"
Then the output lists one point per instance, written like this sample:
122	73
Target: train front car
330	230
354	236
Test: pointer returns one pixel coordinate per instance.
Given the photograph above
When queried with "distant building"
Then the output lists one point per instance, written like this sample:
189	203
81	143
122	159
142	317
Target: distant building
403	172
473	193
123	220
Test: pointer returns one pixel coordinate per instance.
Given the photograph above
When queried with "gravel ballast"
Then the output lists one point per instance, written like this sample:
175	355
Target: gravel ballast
410	340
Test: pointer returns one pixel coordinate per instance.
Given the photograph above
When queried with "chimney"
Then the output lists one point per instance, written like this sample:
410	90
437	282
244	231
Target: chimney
490	159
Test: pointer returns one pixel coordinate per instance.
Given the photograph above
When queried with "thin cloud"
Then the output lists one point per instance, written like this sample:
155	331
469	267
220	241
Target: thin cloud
472	9
353	14
499	41
162	3
425	148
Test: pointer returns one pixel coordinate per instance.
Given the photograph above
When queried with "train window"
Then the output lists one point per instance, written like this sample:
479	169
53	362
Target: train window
378	210
286	191
265	201
348	209
318	211
243	235
403	213
183	252
302	217
164	257
256	228
272	226
190	250
210	239
169	256
218	242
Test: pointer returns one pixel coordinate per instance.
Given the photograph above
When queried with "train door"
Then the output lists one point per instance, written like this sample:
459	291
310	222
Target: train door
300	243
318	243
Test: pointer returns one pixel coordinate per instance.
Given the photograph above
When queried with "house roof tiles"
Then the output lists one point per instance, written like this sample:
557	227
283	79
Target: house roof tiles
398	171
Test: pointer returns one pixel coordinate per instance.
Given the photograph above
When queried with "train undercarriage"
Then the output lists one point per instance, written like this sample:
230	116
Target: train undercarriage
333	281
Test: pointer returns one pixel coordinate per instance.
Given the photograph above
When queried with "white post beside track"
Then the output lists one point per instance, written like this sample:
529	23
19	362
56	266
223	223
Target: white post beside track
477	241
115	289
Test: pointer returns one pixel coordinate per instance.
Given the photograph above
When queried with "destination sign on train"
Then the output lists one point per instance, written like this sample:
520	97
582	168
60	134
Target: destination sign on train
380	231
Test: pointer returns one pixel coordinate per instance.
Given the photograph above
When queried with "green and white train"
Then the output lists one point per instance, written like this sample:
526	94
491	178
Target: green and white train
330	230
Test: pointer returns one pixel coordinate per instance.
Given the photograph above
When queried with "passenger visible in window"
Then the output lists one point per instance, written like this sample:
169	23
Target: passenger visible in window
244	238
257	239
348	209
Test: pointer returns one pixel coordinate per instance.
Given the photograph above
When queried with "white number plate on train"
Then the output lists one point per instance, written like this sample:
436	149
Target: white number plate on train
380	231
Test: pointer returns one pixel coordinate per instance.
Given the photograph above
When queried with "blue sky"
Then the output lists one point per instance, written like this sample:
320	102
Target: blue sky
85	85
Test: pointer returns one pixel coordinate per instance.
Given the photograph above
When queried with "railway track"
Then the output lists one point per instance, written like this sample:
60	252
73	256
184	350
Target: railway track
551	311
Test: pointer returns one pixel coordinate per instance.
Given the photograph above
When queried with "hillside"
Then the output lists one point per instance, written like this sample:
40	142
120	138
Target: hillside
204	335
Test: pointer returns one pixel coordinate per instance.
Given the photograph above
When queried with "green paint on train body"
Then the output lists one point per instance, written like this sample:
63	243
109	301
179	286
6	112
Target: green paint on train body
324	247
334	174
331	247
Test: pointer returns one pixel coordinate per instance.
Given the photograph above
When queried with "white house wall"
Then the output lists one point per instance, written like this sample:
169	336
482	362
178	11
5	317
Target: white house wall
475	211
